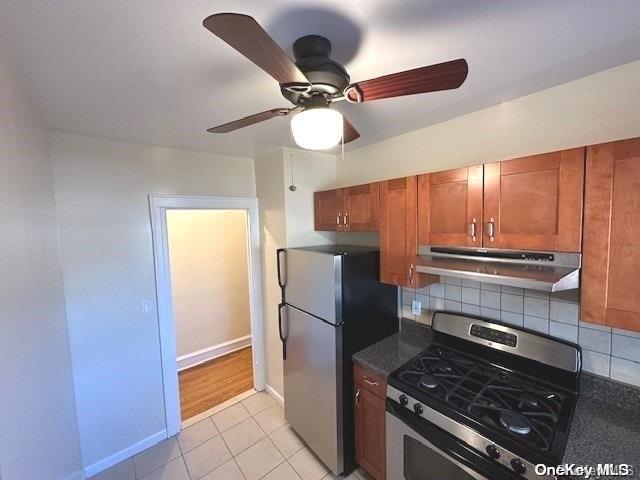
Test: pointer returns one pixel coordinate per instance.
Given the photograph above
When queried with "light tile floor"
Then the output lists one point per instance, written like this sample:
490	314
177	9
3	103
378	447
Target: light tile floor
248	440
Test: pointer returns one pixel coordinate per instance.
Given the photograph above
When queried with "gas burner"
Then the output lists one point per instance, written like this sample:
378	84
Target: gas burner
443	366
521	401
428	381
485	391
527	400
515	422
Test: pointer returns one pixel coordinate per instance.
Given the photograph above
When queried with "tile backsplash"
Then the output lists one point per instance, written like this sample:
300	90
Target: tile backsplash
606	351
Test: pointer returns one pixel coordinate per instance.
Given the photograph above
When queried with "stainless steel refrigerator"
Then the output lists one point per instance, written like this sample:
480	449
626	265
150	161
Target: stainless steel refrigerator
332	306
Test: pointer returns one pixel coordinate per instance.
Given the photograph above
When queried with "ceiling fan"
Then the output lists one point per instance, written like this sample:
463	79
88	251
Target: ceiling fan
314	82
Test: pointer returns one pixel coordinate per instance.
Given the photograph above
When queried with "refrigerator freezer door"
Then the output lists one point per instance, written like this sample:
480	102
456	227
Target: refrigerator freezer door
313	385
314	283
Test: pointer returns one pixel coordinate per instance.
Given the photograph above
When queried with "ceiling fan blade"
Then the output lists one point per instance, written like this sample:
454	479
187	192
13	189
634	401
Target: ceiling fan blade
350	133
244	34
442	76
250	120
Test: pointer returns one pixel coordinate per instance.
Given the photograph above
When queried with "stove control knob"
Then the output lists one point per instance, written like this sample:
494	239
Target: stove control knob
493	452
403	400
518	466
417	408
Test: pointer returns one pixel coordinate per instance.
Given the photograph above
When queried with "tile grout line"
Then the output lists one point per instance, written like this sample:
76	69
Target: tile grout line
284	461
233	456
220	433
610	351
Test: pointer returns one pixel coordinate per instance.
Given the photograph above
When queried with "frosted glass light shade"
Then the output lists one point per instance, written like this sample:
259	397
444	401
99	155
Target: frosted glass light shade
317	128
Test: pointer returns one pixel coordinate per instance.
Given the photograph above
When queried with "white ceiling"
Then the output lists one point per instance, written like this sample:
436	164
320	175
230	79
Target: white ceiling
147	71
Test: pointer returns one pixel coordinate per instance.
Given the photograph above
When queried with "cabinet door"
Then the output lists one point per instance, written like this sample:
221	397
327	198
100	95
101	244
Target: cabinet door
360	207
450	207
328	210
611	258
370	432
398	234
535	202
398	237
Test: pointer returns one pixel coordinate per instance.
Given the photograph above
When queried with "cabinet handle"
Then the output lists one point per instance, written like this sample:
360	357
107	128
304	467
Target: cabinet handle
370	382
411	273
491	229
346	220
472	229
357	396
338	219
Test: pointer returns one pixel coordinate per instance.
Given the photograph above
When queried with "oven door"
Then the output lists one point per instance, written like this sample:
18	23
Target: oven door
419	450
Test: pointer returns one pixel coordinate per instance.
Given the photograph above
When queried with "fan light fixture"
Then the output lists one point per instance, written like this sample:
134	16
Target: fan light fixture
314	82
317	128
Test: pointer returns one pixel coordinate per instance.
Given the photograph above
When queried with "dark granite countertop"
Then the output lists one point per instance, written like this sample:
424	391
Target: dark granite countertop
394	351
606	422
606	425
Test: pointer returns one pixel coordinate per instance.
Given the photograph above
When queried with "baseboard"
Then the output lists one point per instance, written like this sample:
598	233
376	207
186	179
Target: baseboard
276	396
128	452
79	475
200	356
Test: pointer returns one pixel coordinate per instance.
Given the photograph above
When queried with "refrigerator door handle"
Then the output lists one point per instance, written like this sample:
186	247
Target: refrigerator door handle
280	282
283	338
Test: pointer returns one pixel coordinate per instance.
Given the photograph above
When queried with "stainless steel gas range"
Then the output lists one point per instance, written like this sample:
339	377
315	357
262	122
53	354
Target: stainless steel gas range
484	401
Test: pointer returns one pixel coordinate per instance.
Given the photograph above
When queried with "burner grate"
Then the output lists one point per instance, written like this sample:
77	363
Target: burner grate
522	407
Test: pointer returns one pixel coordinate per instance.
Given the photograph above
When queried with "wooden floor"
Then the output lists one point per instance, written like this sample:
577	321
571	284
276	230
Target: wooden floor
204	386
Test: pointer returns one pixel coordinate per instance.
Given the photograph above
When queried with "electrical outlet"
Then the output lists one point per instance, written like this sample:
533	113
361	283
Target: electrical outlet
416	306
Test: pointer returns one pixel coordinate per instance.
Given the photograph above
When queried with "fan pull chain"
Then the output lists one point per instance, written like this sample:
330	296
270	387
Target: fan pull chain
292	187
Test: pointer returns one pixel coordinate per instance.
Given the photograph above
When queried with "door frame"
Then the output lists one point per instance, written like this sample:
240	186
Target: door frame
158	205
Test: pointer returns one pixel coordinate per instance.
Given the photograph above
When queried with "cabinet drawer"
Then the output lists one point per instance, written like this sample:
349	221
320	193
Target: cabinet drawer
373	382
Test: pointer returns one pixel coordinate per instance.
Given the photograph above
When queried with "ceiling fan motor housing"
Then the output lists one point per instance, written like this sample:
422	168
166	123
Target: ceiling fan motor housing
327	77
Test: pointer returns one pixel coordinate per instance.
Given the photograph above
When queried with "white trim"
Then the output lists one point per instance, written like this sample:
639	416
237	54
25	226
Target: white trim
218	408
159	204
207	354
276	396
125	453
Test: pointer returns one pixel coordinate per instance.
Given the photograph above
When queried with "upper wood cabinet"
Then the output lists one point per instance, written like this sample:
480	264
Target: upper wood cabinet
360	205
611	257
398	233
350	209
535	202
450	207
328	210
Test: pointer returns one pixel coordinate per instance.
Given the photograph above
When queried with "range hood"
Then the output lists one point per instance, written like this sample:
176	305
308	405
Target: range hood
547	271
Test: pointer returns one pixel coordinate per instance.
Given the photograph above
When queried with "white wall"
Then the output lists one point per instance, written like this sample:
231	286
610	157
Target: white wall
312	171
597	108
286	220
101	189
269	173
209	277
38	430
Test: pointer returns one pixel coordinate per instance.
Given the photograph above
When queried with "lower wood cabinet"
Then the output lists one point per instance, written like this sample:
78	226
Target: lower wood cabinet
611	256
370	393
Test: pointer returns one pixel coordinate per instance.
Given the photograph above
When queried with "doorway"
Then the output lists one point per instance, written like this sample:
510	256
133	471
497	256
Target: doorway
209	301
